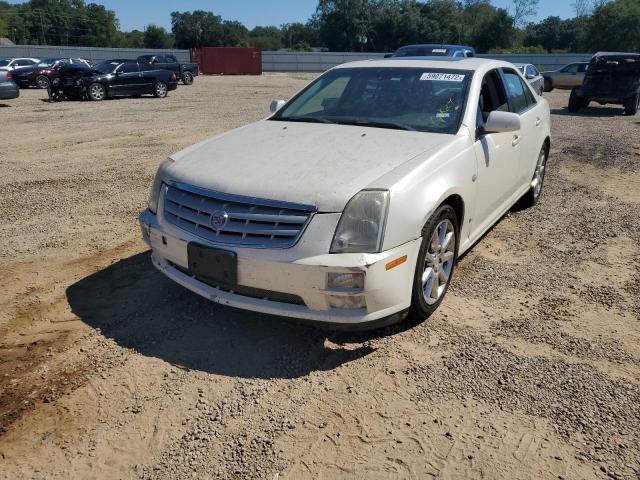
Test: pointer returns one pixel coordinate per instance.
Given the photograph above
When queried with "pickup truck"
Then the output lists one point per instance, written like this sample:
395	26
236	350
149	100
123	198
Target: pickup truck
184	71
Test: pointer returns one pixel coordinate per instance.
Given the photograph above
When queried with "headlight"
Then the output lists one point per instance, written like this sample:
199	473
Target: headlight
154	195
361	226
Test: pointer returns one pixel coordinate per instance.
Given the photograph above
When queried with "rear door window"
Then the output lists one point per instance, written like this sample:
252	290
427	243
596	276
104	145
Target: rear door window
573	68
130	68
171	59
519	101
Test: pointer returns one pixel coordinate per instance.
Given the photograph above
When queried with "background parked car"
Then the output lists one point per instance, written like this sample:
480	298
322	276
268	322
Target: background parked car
437	50
567	77
41	74
610	78
8	88
184	71
112	79
13	63
531	73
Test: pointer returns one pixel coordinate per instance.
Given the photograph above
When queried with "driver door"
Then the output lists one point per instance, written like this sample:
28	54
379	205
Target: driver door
496	156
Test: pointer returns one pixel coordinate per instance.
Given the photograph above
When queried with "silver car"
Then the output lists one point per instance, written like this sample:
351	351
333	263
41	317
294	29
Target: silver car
532	75
566	78
8	88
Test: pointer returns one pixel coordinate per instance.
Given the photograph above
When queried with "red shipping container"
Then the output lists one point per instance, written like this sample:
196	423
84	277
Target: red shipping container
228	60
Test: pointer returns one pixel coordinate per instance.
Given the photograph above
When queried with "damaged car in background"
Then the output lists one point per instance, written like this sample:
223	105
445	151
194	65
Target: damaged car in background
115	78
612	78
351	203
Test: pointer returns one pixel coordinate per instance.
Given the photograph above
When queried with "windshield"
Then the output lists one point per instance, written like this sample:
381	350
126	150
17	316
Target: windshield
423	99
48	62
105	67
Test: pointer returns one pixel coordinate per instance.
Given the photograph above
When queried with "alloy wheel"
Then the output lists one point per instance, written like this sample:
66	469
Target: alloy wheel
161	89
97	92
538	176
438	262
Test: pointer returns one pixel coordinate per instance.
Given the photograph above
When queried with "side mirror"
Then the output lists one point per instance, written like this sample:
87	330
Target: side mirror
529	76
276	105
501	122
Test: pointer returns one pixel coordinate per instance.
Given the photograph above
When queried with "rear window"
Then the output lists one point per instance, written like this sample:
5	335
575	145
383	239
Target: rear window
615	65
4	62
422	52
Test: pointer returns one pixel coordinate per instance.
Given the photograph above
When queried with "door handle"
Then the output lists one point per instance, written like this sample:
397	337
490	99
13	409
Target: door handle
516	140
538	122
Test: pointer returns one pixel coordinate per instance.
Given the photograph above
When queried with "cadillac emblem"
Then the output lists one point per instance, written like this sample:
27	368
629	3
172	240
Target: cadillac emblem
219	219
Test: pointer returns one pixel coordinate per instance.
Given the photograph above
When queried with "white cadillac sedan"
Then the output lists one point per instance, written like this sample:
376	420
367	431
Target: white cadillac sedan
351	203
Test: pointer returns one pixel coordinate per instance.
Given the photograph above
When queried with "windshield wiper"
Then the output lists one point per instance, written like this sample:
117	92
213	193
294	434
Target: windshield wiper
304	119
392	125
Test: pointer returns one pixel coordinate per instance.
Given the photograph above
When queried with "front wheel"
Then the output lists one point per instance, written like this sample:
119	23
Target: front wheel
42	81
533	195
96	92
632	104
187	78
160	89
436	261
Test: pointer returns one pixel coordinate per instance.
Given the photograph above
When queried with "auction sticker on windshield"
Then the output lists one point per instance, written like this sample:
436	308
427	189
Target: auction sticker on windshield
446	77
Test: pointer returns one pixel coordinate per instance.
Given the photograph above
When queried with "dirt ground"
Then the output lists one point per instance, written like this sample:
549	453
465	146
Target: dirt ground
530	369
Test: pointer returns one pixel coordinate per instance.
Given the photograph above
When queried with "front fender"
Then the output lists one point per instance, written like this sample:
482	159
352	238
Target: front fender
422	190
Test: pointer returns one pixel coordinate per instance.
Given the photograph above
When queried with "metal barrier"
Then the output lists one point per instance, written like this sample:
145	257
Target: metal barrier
319	62
271	61
93	54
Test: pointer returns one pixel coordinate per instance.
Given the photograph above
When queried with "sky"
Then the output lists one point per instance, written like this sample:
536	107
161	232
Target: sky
135	14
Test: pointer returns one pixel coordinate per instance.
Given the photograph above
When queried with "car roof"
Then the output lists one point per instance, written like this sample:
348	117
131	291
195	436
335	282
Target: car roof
441	45
460	63
616	54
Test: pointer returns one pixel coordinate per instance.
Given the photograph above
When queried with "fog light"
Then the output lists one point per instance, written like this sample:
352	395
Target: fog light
347	302
146	231
346	280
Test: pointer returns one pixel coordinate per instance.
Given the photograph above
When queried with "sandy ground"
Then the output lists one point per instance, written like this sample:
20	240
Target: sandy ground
530	369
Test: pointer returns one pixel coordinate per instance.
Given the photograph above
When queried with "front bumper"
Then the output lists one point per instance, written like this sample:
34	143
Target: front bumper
298	272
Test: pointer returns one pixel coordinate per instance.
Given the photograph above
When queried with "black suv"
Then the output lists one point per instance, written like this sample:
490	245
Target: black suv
610	78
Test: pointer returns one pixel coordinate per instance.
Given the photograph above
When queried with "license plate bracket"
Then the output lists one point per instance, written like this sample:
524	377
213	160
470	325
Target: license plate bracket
215	265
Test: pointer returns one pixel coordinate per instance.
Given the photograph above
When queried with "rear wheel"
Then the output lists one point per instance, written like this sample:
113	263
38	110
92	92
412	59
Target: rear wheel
96	92
42	81
533	195
632	104
187	78
436	262
576	101
160	89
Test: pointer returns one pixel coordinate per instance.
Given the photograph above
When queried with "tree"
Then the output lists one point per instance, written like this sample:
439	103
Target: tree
523	10
157	37
266	38
487	27
554	34
582	8
615	26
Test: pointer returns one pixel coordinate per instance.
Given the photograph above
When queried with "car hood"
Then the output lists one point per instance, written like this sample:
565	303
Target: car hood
314	164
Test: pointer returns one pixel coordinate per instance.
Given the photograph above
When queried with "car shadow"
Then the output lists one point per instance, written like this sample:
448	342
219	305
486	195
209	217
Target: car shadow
590	112
140	309
4	105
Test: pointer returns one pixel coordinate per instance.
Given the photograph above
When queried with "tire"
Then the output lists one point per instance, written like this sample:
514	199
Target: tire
632	104
548	85
426	296
187	78
533	195
96	92
576	102
160	89
42	81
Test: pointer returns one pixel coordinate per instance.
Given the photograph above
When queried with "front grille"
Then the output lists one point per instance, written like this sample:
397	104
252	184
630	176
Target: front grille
250	222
